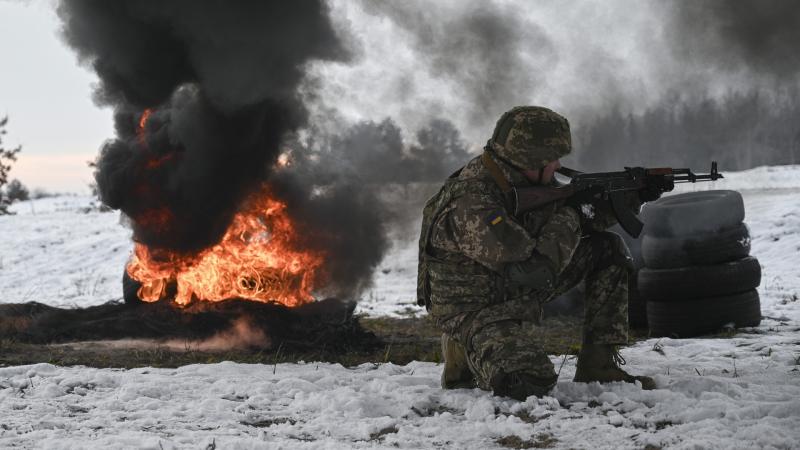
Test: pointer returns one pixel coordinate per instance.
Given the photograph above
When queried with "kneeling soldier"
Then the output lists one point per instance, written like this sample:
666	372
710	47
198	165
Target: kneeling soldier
484	273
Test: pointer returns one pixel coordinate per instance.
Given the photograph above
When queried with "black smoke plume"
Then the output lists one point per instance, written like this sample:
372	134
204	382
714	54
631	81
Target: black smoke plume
205	98
220	85
203	95
358	185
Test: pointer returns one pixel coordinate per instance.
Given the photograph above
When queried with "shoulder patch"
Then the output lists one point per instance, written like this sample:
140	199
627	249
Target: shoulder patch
495	217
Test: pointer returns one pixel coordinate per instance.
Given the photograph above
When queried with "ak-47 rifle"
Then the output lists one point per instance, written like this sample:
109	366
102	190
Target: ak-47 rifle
611	186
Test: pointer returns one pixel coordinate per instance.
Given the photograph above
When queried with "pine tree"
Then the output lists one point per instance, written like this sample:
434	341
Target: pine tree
7	157
16	191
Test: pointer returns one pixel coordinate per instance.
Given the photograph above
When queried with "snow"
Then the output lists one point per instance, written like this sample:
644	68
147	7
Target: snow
737	392
61	252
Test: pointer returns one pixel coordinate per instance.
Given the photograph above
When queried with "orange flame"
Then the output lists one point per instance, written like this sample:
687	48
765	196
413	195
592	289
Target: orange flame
256	260
159	161
142	122
154	161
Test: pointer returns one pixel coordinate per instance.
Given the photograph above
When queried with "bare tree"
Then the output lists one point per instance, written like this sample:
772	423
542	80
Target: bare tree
7	157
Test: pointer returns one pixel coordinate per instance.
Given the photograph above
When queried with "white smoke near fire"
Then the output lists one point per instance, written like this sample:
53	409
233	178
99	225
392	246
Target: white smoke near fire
242	335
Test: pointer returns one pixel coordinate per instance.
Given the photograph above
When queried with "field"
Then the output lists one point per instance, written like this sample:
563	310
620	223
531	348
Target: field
730	390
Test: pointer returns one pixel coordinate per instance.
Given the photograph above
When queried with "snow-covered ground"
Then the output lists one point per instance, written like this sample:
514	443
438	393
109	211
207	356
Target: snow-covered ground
740	392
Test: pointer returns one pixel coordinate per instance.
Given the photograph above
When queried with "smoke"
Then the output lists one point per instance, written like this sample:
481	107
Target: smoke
469	61
231	88
740	131
378	152
222	86
204	95
242	335
660	66
354	188
760	37
751	45
484	49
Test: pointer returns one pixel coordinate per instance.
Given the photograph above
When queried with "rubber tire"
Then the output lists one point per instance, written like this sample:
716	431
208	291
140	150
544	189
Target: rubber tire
728	244
130	290
690	282
703	316
693	212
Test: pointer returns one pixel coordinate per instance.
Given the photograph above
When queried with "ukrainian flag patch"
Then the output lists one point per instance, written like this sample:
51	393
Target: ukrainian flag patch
494	218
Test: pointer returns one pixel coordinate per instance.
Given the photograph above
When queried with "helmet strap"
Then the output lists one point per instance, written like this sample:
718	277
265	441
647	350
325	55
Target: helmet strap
496	172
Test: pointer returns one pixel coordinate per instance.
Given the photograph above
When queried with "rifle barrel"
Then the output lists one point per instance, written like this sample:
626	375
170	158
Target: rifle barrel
691	178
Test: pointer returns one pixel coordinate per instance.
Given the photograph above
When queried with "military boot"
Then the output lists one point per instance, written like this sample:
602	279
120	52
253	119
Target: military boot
520	386
598	362
456	373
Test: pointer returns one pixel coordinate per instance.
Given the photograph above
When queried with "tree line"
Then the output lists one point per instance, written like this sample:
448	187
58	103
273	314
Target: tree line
740	131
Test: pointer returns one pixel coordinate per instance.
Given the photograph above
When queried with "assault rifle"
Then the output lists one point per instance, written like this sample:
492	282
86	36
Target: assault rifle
611	187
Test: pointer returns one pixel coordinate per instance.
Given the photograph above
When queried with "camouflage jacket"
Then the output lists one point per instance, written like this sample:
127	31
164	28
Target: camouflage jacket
473	225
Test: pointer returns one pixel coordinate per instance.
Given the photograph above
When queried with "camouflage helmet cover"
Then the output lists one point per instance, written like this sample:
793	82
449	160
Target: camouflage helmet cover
530	137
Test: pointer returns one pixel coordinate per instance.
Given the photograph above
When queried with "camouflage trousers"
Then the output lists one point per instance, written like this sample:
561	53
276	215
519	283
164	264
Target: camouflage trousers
501	339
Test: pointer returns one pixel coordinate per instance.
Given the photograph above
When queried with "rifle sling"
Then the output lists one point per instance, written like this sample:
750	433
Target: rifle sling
496	173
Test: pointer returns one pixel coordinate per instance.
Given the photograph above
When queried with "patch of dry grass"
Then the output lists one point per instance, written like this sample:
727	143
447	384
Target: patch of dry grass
404	340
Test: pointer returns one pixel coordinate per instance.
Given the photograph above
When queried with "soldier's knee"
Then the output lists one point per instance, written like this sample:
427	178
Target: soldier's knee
521	385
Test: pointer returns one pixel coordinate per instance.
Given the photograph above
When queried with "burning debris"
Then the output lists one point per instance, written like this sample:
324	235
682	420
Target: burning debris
232	245
207	98
203	95
254	260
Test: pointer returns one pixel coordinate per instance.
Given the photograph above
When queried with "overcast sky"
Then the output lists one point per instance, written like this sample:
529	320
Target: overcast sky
47	98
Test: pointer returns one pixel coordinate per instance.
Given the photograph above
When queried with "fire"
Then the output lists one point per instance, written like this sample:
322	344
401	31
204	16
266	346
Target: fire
284	160
159	218
159	161
142	122
154	161
256	260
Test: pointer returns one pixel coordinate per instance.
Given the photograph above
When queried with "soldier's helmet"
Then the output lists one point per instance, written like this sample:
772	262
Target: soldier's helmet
529	137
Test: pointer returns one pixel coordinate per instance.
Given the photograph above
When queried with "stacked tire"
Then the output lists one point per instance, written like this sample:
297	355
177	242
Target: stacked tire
698	276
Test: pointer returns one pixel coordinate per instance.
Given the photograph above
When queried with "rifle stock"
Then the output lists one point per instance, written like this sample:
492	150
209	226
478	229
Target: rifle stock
528	198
